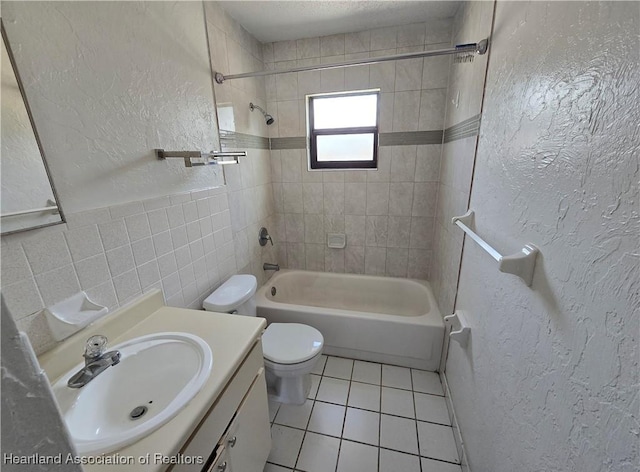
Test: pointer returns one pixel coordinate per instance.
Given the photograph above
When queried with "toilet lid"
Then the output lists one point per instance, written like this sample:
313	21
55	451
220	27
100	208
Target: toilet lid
291	343
231	294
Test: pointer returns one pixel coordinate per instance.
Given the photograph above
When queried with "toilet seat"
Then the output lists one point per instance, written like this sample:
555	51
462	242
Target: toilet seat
291	343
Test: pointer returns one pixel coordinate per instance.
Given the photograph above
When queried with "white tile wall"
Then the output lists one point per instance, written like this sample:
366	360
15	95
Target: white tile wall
458	157
117	260
393	207
405	183
251	197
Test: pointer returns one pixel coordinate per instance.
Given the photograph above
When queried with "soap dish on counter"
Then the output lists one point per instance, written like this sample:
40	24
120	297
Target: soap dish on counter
71	315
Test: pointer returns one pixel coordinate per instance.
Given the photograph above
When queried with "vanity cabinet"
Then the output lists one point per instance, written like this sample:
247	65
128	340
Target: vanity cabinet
222	463
235	434
248	439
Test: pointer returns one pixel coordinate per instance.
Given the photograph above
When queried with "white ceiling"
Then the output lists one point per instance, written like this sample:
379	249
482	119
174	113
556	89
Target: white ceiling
271	21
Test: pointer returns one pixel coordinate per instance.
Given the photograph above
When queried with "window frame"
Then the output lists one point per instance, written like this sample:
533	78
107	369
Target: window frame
312	134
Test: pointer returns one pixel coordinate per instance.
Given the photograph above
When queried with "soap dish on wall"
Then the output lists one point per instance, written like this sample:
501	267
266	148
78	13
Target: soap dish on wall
336	240
71	315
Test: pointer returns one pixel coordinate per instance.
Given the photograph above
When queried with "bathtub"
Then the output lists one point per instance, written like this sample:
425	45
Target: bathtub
380	319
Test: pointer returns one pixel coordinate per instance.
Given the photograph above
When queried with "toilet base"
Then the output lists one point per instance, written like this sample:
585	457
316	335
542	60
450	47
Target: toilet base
288	390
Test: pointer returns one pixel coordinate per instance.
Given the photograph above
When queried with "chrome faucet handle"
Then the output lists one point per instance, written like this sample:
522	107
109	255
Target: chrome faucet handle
95	346
263	237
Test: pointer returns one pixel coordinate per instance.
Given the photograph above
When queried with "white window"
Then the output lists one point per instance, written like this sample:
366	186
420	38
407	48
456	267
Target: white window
342	130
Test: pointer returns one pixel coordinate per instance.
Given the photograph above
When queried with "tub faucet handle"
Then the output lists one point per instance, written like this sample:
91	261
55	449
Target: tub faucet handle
263	237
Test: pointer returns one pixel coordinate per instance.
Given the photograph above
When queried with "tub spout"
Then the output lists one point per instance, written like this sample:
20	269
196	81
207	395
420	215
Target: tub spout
269	266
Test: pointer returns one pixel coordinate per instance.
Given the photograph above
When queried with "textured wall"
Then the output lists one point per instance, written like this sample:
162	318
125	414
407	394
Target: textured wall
30	420
388	214
107	83
549	381
184	243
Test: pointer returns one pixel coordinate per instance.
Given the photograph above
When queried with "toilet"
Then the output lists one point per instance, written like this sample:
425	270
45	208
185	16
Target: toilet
290	350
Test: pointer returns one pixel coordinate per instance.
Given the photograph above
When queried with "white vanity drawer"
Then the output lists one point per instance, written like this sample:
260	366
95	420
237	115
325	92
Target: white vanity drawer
212	428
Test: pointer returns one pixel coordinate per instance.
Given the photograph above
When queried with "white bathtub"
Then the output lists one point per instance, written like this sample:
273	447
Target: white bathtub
379	319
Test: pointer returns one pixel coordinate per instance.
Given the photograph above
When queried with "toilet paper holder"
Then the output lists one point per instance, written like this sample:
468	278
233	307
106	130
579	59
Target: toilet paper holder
460	329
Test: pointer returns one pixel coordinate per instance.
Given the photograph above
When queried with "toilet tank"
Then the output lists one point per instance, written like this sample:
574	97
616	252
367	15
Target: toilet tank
248	308
237	294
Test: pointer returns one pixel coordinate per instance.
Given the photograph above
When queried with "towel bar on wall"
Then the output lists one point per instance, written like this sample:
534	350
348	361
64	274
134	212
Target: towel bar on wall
209	158
522	263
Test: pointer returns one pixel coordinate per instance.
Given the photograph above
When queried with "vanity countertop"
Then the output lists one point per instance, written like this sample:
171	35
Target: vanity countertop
230	337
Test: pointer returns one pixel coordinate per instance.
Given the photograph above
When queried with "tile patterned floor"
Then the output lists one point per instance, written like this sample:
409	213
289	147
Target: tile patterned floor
364	417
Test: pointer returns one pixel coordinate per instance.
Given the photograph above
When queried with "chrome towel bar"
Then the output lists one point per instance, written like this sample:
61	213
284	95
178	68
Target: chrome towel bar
209	158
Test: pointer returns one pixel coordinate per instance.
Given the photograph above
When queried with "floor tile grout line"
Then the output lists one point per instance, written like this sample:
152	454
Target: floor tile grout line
380	419
306	429
411	369
419	456
380	363
415	412
379	383
369	410
380	413
344	419
371	362
386	449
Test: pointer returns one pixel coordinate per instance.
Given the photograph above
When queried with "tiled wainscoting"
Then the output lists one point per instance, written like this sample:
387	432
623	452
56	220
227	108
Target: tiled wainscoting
365	417
182	244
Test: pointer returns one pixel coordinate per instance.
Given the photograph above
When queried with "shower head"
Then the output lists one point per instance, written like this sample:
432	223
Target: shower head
268	118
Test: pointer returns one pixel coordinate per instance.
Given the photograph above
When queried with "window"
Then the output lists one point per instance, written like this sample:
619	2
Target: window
343	130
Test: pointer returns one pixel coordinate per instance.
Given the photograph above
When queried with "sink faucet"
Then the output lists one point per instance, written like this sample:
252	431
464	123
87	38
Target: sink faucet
96	361
269	266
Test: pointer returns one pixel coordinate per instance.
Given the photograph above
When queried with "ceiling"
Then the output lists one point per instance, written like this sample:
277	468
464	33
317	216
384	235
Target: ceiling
271	21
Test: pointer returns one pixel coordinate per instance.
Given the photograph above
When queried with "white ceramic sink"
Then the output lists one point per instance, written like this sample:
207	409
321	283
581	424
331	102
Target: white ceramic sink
161	372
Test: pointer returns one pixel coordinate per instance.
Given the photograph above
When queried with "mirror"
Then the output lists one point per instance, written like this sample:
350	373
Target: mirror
28	199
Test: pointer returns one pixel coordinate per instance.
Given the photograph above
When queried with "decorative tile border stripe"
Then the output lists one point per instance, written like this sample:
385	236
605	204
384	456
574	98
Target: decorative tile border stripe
464	129
231	139
386	139
299	142
407	138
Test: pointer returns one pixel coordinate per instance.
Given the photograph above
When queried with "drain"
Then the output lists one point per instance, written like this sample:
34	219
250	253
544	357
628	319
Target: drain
273	291
138	412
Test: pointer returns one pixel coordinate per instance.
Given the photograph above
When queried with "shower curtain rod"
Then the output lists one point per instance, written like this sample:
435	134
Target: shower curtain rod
478	48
